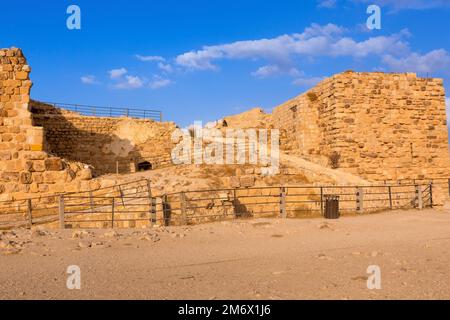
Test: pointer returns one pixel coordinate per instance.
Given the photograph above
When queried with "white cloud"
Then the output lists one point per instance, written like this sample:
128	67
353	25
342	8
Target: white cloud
159	82
131	82
271	70
409	4
117	73
327	3
431	62
447	103
281	52
149	58
308	82
89	79
165	67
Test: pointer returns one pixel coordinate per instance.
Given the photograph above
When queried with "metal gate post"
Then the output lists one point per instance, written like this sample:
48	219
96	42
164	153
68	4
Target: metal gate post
30	214
283	212
449	187
112	212
321	202
91	201
165	205
431	195
62	223
360	200
152	202
419	198
235	203
390	198
152	211
121	196
183	208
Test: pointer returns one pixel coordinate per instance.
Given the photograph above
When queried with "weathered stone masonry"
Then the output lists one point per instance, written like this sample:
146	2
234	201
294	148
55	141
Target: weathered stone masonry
107	144
24	167
382	126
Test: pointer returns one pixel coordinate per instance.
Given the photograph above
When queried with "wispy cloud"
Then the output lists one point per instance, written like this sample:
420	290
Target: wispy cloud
117	73
149	58
130	82
166	67
281	52
327	3
397	5
123	80
447	102
307	82
271	70
158	82
89	79
431	62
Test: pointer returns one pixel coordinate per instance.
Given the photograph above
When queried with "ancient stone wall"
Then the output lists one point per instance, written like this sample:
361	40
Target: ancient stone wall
107	144
377	125
24	167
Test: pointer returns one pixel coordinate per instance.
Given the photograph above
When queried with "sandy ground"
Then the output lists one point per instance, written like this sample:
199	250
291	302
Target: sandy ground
243	259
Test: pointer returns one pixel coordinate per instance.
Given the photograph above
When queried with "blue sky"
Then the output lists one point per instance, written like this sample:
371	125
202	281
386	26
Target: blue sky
201	60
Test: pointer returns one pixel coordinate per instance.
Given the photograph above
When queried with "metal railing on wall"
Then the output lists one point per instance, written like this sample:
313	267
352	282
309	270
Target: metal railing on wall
129	204
109	111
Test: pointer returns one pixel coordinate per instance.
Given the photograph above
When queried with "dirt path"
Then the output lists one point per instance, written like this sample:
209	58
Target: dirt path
257	259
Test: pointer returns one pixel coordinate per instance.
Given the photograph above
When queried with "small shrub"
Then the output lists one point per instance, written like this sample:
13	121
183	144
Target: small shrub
335	158
312	96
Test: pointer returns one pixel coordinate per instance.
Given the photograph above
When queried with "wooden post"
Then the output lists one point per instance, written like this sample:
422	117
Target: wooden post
391	206
62	223
283	213
30	214
112	212
419	198
360	200
117	167
183	208
321	201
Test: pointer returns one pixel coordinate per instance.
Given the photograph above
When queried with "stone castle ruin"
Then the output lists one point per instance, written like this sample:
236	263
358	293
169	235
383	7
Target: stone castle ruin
374	126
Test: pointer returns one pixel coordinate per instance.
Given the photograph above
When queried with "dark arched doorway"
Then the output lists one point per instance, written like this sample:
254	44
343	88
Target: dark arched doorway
144	166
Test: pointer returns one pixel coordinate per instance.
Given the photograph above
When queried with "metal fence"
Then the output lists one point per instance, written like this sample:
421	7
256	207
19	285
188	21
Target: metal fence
56	208
289	202
133	205
109	111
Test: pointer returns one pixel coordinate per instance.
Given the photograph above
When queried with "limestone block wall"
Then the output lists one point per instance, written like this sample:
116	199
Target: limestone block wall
24	167
107	144
382	126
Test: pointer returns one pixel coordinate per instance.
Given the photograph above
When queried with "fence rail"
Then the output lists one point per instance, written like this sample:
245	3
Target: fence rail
109	111
133	204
